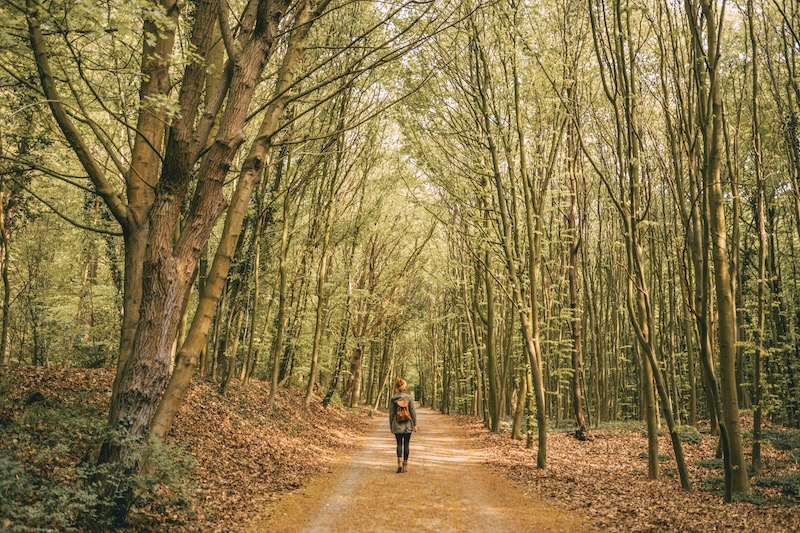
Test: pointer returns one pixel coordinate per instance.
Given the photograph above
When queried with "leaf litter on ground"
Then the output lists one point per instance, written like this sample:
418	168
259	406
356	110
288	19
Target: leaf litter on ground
605	478
247	455
244	453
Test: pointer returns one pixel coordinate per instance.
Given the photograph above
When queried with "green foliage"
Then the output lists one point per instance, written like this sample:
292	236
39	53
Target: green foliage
336	401
168	480
714	484
754	497
627	425
662	457
689	434
47	476
29	502
718	464
782	440
789	483
711	464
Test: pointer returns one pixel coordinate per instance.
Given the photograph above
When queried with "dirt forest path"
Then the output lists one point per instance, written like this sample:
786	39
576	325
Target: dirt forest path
446	489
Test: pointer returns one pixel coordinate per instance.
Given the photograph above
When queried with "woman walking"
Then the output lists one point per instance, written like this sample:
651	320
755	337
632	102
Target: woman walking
402	421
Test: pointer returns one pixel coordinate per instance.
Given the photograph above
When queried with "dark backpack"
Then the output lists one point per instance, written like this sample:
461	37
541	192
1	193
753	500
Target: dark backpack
403	413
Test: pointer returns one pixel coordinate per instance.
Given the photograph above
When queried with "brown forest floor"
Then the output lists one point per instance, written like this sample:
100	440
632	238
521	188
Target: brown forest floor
605	478
245	454
253	464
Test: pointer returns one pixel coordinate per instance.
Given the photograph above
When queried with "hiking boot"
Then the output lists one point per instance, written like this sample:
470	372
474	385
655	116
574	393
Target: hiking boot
399	465
405	467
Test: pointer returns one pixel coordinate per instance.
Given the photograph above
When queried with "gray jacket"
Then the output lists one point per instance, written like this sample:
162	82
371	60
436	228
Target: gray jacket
408	425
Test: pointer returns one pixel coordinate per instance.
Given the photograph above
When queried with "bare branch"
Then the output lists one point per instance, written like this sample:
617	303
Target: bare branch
64	217
118	208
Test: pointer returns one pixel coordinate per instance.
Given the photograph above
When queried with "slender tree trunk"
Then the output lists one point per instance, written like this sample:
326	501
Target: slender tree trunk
637	307
471	310
280	319
384	370
762	248
519	411
249	360
320	308
490	347
6	257
341	353
731	435
230	359
574	233
81	297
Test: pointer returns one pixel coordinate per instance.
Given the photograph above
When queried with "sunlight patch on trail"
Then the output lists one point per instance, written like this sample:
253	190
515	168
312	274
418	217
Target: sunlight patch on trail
447	489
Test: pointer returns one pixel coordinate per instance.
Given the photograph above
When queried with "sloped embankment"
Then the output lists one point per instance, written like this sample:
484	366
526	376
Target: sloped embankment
244	453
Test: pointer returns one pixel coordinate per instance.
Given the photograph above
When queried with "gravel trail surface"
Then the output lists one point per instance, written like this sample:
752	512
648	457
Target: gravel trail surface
446	489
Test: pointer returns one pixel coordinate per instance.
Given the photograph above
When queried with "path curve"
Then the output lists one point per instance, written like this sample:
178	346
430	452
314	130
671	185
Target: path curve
447	489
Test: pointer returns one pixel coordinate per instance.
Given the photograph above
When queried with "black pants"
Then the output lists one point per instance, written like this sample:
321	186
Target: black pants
403	439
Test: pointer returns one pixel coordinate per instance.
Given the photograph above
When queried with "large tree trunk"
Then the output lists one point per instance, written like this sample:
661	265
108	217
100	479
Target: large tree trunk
141	181
169	266
158	269
251	171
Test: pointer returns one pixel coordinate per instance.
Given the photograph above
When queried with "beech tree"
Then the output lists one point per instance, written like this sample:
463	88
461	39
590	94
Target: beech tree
704	22
174	177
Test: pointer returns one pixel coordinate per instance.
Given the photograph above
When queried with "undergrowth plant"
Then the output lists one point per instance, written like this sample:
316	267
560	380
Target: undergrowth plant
47	468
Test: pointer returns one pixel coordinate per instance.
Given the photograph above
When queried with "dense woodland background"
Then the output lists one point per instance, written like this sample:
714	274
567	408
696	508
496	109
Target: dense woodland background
556	213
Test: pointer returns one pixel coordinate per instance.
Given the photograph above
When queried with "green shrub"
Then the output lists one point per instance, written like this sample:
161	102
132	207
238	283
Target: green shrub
662	457
789	483
168	480
626	425
69	500
28	503
44	485
336	400
689	434
782	440
794	456
754	497
714	484
711	464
